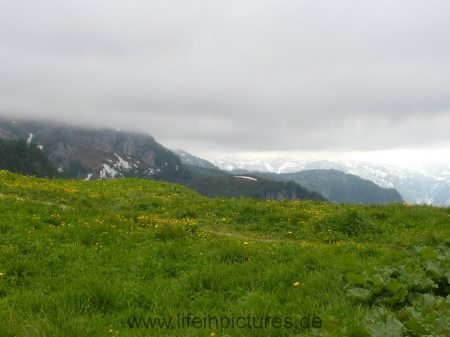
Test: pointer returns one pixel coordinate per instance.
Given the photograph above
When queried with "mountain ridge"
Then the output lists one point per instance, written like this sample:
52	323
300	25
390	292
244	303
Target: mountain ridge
340	186
415	185
97	153
250	186
333	185
102	153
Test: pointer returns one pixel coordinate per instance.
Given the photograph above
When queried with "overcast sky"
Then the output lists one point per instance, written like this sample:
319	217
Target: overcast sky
228	77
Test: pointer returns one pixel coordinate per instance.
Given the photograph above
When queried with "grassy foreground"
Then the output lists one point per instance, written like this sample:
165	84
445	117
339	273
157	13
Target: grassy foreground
98	258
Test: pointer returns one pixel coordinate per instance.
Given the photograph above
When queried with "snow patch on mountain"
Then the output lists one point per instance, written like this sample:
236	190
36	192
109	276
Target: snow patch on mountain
245	177
122	168
122	164
108	172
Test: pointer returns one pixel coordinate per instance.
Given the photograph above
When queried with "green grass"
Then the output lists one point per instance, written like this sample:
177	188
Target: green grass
80	258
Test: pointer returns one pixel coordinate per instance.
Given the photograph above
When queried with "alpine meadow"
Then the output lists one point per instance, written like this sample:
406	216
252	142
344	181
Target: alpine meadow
133	257
224	168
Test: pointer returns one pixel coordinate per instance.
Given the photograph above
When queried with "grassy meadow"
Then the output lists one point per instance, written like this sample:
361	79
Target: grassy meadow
97	258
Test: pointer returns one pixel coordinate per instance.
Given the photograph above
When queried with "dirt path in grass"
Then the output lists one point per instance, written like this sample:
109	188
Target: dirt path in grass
238	236
40	202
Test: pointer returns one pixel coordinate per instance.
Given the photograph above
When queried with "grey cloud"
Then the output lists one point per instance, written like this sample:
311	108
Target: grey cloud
235	76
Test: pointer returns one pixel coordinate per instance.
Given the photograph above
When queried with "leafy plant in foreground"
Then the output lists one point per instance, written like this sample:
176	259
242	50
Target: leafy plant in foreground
413	297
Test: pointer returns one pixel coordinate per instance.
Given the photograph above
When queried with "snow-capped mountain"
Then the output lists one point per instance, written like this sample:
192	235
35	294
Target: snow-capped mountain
415	185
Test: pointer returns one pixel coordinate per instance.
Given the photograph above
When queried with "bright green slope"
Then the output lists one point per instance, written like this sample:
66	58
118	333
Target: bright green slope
79	258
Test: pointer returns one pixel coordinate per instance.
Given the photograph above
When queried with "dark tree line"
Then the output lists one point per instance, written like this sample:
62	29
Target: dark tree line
20	157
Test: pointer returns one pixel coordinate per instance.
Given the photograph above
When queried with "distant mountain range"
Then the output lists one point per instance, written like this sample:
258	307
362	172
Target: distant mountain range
250	186
339	186
419	186
87	153
331	184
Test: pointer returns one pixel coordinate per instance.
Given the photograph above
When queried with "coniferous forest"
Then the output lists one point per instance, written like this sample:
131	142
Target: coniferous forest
21	157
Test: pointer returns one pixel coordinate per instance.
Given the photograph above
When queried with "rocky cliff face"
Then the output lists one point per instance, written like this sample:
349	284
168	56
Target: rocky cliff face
97	153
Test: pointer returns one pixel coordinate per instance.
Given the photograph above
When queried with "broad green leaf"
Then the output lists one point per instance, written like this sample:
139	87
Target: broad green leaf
401	294
428	253
415	278
391	300
416	327
405	271
442	325
389	328
355	279
376	280
394	286
446	256
429	301
425	284
431	317
377	290
435	268
359	294
447	275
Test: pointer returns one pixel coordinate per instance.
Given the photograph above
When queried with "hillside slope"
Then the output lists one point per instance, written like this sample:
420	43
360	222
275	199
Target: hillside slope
97	153
333	185
187	158
104	153
252	187
429	184
21	157
97	258
339	186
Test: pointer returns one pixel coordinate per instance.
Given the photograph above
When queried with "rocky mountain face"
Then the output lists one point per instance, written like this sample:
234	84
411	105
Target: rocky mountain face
97	153
416	186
